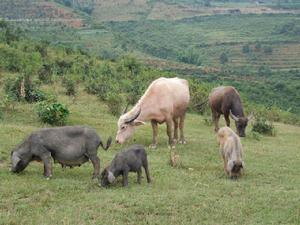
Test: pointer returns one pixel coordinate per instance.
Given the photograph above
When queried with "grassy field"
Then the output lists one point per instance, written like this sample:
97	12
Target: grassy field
196	193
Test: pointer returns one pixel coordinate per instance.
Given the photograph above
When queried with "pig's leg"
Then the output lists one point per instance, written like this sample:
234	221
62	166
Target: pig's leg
139	175
145	165
125	178
45	156
96	164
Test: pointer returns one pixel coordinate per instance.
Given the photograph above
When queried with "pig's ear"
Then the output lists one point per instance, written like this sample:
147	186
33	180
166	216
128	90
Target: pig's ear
111	178
138	123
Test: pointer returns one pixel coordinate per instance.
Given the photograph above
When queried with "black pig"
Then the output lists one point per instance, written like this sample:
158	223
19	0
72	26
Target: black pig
128	160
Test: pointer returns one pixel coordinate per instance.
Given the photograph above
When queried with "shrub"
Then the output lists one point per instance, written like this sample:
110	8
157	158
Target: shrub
246	48
70	86
53	113
262	126
257	46
115	103
223	58
268	50
22	87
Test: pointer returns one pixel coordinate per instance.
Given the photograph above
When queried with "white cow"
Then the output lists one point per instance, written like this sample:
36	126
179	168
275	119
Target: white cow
165	100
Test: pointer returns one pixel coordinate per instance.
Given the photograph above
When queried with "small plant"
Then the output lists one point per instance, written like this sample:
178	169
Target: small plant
115	103
70	86
268	50
22	88
246	48
208	121
262	126
223	58
53	113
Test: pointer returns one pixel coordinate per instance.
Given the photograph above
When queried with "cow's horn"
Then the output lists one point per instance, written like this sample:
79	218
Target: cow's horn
129	120
126	108
111	178
234	117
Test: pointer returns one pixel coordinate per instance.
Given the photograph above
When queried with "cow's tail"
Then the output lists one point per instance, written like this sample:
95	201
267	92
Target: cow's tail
108	143
201	104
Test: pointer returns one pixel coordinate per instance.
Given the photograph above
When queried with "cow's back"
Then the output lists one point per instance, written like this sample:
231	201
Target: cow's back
222	97
171	94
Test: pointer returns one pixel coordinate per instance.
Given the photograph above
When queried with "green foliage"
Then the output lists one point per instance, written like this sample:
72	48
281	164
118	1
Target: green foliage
70	86
262	126
199	96
115	103
257	46
246	49
190	56
223	58
291	28
23	88
268	50
53	113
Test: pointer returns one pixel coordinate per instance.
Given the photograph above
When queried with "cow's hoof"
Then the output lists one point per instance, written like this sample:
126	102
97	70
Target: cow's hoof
47	178
171	147
153	146
183	142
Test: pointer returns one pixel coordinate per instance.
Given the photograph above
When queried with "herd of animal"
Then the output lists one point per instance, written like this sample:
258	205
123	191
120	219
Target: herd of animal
165	101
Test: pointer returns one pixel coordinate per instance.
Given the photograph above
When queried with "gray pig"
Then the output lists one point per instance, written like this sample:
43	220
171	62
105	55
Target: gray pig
129	160
69	145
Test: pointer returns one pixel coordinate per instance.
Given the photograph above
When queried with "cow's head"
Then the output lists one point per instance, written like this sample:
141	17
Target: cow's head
235	168
107	177
18	163
127	124
241	123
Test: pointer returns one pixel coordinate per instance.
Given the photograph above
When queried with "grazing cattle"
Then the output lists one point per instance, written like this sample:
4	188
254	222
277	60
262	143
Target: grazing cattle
129	160
227	101
165	100
70	146
231	151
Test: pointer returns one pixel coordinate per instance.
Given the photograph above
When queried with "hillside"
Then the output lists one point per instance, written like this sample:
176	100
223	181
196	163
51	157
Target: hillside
197	193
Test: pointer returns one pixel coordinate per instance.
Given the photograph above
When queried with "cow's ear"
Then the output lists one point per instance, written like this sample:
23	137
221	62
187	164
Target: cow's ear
138	123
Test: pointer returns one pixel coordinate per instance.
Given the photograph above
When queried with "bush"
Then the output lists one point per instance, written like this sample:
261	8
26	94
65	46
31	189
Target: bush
246	48
262	126
268	50
22	87
115	103
70	86
53	113
223	58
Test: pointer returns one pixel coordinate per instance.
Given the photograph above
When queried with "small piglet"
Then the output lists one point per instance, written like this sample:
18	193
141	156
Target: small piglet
128	160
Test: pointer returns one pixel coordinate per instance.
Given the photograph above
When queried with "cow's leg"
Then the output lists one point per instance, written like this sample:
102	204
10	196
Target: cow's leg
96	164
216	117
175	120
139	175
170	132
226	116
155	132
181	126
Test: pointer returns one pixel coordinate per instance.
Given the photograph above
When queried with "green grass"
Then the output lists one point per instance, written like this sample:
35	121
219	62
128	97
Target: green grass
197	193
